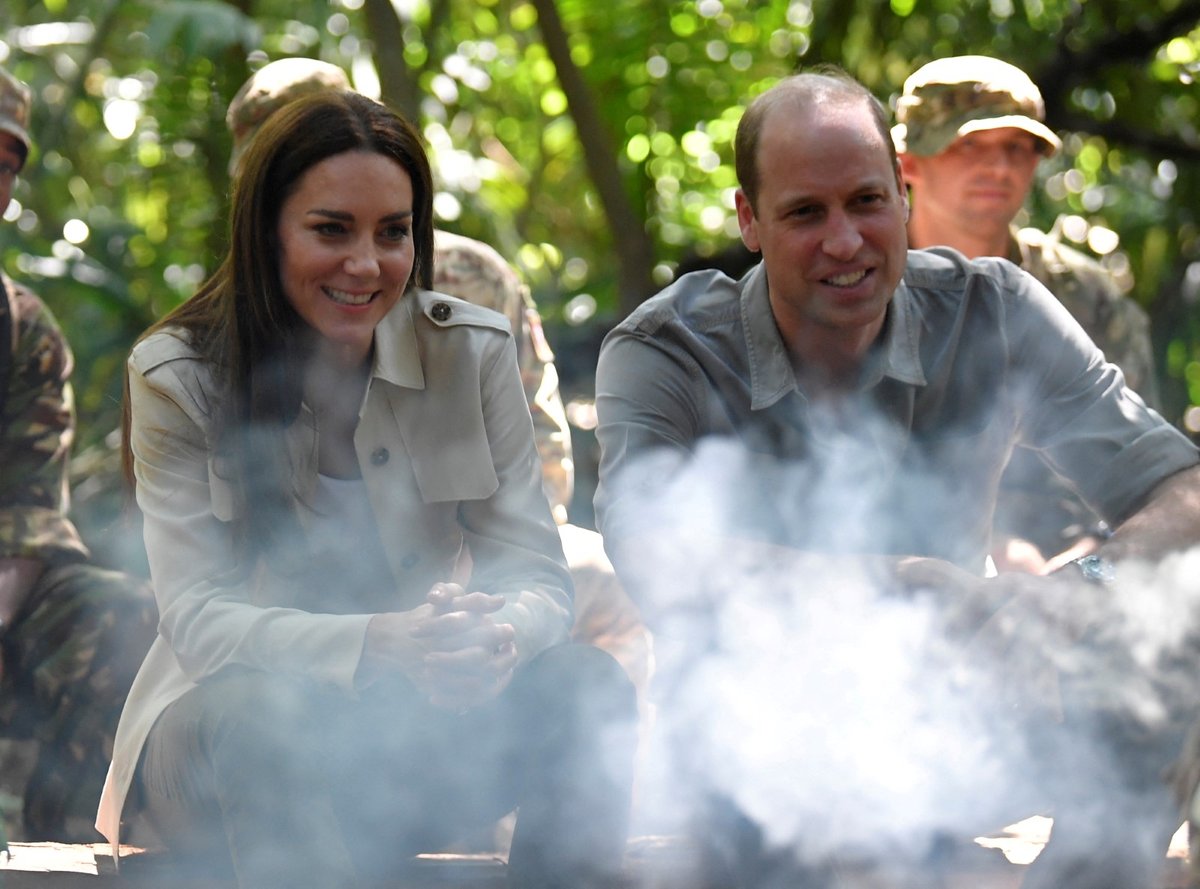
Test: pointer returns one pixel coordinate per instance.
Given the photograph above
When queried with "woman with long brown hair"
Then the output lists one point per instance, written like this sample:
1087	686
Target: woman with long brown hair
319	445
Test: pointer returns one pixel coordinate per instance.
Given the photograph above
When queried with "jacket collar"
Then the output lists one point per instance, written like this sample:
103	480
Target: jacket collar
397	357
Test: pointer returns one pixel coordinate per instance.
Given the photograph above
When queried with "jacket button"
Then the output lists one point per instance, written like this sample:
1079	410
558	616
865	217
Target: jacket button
379	456
440	312
409	560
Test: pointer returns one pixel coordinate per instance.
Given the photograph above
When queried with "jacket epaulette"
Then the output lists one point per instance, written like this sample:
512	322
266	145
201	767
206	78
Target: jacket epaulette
450	311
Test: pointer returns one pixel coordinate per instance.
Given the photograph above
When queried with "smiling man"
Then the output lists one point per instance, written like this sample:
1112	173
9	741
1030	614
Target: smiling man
841	415
970	134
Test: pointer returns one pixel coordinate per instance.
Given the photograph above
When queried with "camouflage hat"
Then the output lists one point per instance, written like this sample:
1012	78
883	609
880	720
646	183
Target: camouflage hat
955	96
16	100
269	89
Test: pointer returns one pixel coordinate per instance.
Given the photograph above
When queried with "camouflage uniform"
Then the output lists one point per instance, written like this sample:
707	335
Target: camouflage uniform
473	271
951	98
73	648
1035	503
605	616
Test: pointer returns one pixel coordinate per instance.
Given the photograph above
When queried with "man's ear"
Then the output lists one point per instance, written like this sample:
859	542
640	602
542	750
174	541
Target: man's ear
907	170
746	221
902	184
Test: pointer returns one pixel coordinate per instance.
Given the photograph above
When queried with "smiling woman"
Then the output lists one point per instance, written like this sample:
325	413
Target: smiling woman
363	600
345	249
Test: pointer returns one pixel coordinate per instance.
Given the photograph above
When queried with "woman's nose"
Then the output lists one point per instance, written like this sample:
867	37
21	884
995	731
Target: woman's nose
363	260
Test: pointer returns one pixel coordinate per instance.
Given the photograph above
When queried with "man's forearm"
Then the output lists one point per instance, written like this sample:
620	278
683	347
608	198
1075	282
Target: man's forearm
1168	522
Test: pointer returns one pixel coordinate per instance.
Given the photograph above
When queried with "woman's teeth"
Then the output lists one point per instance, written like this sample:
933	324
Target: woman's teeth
349	299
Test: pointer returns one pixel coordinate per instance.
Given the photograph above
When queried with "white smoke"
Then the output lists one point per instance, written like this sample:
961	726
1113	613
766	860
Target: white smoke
838	713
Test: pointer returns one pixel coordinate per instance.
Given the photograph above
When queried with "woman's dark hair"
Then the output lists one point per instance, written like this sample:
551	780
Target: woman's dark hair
241	323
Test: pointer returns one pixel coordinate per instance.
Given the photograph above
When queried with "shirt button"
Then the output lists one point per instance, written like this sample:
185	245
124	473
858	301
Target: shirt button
379	456
440	312
409	560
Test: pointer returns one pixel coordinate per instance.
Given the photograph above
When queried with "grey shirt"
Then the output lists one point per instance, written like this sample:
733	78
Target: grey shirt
702	420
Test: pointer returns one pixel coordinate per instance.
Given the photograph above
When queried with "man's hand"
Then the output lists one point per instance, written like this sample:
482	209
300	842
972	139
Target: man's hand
1020	629
1018	554
1059	608
450	647
1080	548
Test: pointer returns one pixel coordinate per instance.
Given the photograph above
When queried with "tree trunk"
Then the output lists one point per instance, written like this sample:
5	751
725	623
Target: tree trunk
398	87
635	251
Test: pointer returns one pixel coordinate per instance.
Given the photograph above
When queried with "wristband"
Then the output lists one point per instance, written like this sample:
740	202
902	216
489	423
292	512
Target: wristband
1096	569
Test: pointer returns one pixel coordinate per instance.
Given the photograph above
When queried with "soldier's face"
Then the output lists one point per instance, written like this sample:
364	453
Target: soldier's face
10	163
981	180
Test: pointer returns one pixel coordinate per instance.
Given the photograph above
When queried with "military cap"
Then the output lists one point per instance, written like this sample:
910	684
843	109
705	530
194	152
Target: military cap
952	97
16	100
269	89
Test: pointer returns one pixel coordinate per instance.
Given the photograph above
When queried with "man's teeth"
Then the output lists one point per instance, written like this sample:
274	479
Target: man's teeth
349	299
847	279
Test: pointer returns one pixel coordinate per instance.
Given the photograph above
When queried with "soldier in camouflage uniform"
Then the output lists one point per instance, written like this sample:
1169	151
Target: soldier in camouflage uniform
970	134
604	614
71	634
471	270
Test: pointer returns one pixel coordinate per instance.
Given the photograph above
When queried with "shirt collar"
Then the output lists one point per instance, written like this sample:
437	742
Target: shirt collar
901	354
771	373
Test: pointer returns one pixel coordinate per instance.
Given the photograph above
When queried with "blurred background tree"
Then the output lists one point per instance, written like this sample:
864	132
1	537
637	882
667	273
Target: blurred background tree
591	143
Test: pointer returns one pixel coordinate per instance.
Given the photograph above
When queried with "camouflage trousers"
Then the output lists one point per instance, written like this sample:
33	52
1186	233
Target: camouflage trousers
68	661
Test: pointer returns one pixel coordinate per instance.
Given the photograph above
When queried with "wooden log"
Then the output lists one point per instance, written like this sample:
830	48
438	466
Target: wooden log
651	863
60	866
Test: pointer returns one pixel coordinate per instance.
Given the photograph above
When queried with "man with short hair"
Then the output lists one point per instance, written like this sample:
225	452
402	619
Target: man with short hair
822	440
970	135
71	634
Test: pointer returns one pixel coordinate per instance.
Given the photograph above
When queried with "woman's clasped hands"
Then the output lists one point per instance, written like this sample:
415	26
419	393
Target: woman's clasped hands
451	647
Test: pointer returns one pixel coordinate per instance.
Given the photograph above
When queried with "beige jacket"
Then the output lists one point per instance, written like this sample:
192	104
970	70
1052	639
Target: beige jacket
445	445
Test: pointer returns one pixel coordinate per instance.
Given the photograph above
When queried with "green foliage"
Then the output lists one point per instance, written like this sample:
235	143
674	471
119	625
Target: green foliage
132	144
200	28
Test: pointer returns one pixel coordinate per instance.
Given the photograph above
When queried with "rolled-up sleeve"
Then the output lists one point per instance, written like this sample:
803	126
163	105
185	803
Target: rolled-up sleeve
1077	411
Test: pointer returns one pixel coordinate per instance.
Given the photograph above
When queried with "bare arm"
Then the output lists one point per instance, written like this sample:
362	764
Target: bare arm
1168	522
